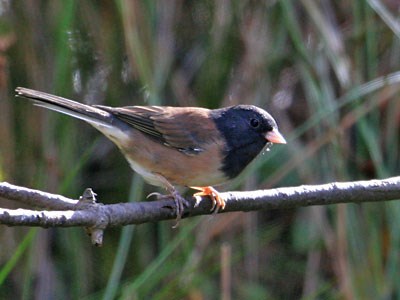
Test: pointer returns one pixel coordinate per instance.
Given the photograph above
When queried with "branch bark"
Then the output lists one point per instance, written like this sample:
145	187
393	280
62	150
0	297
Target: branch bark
59	211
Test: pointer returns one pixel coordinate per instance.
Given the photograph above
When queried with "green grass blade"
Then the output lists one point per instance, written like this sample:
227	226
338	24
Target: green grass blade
11	263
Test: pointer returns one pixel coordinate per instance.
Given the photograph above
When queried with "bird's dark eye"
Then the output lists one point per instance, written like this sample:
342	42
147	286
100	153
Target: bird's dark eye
254	123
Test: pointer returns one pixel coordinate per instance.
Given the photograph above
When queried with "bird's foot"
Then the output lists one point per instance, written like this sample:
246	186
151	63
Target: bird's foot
179	201
218	201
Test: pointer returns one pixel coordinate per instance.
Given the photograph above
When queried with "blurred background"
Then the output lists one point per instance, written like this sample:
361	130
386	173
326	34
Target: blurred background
328	71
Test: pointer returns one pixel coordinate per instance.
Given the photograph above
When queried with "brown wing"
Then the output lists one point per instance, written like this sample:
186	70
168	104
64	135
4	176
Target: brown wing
172	126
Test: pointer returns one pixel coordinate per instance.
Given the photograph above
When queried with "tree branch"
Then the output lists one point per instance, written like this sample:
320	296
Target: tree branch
65	212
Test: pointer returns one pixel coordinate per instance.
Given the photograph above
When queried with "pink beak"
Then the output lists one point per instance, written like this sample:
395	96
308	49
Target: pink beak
275	137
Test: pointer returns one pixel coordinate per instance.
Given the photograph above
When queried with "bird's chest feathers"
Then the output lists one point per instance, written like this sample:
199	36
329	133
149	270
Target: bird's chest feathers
238	156
153	159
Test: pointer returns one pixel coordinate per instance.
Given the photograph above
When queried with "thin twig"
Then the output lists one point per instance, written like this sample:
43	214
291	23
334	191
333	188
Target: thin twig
65	212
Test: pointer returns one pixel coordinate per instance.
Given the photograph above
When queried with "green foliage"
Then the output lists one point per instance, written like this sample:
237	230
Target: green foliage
328	71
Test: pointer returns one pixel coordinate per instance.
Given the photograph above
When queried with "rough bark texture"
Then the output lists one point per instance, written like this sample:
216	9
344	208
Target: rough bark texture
59	211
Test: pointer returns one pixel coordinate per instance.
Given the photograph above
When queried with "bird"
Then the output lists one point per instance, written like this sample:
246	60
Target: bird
174	147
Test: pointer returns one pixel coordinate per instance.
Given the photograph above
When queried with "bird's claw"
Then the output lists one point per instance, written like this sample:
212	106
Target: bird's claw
179	202
159	196
217	201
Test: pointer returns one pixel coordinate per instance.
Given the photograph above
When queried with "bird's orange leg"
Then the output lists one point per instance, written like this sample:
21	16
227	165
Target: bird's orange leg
218	201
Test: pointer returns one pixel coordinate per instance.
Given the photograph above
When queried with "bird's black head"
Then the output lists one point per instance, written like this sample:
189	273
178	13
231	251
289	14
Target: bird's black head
246	129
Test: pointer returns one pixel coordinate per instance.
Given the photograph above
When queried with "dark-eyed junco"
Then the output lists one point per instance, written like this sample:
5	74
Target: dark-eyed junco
177	146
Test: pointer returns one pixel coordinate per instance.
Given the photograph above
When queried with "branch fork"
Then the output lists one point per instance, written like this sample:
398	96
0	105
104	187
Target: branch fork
59	211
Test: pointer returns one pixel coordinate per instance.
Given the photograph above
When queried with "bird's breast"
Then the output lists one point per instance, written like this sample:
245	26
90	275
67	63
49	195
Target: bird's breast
151	159
237	158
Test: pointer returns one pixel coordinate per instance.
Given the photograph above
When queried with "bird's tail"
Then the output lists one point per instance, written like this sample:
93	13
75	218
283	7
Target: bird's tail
93	115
